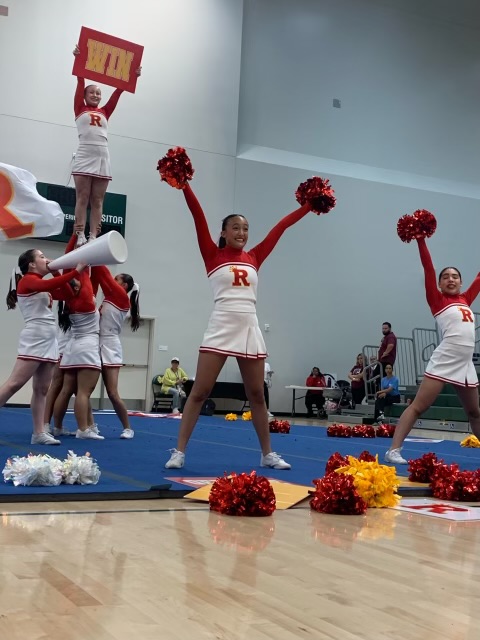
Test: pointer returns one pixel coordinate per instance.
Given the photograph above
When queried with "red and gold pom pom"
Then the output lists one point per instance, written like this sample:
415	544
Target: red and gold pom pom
366	456
242	495
385	431
339	431
426	223
422	469
318	193
279	426
335	461
175	168
363	431
407	228
336	493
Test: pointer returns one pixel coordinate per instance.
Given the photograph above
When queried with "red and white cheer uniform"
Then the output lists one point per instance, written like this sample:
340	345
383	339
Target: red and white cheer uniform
452	359
233	328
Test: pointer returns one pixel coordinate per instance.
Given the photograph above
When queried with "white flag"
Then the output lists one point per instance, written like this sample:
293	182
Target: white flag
23	211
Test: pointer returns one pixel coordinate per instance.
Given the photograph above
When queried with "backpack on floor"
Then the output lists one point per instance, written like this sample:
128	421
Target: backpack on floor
208	408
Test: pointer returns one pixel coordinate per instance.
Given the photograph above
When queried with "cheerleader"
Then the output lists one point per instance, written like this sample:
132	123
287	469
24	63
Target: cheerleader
37	348
452	360
233	328
120	298
91	166
81	360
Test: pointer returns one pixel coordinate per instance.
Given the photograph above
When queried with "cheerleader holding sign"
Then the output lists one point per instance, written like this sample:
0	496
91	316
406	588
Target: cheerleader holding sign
452	360
91	168
233	326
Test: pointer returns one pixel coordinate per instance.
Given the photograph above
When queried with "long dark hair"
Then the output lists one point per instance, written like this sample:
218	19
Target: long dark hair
319	372
24	261
135	319
222	243
63	313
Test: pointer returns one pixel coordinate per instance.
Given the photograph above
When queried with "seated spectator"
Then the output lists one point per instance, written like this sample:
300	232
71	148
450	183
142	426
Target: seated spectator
389	393
172	383
357	383
374	375
315	379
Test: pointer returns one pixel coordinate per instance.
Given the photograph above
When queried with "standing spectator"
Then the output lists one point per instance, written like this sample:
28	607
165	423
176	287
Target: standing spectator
172	383
389	393
267	385
374	376
315	379
357	381
388	347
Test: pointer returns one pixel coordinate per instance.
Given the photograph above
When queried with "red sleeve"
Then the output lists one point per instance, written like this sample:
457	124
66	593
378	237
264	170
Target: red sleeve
109	108
79	100
434	297
71	243
83	302
34	285
308	382
473	290
112	291
95	280
208	248
261	251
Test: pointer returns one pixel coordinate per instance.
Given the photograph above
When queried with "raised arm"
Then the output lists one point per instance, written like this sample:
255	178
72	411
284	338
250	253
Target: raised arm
207	246
434	297
262	250
34	285
112	291
109	107
79	100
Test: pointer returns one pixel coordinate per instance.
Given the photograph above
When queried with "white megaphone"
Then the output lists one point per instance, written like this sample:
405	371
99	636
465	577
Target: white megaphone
108	249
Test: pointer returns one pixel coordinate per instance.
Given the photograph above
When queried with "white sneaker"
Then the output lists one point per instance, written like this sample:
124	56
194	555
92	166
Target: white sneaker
43	438
175	412
393	456
88	434
94	428
177	460
274	461
62	432
127	434
81	239
270	415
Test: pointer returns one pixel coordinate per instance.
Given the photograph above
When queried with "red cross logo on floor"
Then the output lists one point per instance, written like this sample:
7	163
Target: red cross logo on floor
437	508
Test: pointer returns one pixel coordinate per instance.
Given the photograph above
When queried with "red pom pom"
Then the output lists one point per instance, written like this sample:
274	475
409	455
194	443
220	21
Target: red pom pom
444	481
318	193
279	426
385	431
426	223
422	469
339	431
336	493
175	168
366	456
363	431
407	228
335	461
242	495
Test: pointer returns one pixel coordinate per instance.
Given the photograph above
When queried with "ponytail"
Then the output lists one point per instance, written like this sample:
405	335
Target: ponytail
12	289
64	321
135	307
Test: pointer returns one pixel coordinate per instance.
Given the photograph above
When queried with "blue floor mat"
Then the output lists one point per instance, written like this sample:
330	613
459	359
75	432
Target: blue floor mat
132	468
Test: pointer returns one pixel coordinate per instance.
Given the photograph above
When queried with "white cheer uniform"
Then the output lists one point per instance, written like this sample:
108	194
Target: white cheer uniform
82	350
92	157
38	339
111	324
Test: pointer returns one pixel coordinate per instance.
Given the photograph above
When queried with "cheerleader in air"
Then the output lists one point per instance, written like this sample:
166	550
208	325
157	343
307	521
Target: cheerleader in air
37	347
452	360
233	328
91	167
121	297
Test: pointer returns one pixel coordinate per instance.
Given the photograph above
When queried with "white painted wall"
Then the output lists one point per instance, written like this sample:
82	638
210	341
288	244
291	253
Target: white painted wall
407	136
